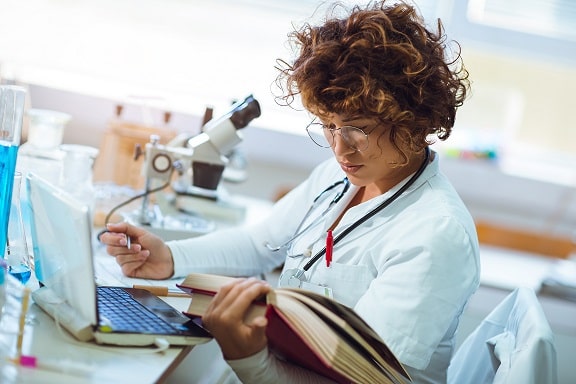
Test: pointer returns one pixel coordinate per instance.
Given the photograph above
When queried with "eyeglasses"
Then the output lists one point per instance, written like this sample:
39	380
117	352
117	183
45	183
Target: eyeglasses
324	136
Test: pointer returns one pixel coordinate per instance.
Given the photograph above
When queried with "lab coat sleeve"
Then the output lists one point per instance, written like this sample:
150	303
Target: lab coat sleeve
230	252
240	251
263	367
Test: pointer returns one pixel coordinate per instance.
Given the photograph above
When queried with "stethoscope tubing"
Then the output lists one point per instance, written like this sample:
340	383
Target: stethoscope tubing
335	200
373	212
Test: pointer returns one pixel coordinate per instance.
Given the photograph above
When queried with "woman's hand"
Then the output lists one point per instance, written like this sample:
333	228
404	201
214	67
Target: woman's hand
148	257
224	318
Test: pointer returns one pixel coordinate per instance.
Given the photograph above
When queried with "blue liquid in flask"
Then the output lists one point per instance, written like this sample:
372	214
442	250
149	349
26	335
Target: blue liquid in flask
22	272
8	155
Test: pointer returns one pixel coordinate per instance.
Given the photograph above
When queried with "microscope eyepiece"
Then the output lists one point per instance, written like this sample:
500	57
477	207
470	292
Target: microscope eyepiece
245	112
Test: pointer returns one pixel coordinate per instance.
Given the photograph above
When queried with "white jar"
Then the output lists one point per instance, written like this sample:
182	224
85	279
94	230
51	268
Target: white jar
46	128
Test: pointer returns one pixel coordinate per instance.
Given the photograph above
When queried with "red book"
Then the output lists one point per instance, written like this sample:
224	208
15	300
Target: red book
312	331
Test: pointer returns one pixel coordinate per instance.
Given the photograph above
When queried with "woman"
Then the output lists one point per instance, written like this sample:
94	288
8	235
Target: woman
405	251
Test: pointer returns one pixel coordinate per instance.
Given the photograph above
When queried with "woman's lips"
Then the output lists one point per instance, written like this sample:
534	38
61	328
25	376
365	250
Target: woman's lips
349	168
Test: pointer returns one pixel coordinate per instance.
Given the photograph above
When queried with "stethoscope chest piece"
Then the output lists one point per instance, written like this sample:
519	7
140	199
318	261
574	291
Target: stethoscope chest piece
292	278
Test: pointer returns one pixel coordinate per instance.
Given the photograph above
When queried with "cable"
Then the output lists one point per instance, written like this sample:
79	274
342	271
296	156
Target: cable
133	198
162	344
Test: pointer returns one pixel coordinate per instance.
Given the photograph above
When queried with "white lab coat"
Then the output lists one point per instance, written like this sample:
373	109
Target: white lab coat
513	344
408	271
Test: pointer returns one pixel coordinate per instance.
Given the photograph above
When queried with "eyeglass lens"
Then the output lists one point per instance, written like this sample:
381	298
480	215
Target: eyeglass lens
324	137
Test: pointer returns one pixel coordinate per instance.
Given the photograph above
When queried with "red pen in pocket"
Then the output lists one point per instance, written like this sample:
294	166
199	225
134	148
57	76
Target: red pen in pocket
329	247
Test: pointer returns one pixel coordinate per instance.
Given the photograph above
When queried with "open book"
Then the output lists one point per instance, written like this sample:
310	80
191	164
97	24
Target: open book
312	331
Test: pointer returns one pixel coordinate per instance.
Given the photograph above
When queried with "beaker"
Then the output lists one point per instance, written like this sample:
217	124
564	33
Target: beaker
12	100
18	260
46	128
77	171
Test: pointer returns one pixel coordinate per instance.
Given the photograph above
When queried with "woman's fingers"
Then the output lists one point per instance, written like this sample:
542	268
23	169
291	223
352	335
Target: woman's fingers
235	298
121	235
225	318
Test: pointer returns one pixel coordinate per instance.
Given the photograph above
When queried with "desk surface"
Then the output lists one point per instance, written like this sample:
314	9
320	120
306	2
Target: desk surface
507	268
87	362
96	363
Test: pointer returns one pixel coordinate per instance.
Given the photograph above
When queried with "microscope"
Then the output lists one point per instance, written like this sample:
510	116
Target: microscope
198	163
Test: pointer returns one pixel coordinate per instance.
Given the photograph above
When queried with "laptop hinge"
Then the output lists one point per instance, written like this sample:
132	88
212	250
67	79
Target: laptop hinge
63	314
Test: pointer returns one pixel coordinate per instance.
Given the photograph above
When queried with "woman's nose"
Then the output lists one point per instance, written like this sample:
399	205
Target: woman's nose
340	145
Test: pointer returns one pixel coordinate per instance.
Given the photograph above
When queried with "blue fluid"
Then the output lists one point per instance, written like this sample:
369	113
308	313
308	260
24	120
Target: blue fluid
22	272
8	155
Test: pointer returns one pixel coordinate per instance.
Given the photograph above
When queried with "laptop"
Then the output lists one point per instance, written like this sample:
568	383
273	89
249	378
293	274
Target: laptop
61	227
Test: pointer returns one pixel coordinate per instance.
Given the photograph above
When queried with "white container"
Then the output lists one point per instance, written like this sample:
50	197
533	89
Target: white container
46	128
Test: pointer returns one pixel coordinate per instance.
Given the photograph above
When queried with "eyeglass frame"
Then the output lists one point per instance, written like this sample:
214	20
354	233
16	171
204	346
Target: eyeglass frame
314	122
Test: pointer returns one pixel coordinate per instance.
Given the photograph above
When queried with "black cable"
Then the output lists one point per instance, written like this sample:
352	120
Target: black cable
133	198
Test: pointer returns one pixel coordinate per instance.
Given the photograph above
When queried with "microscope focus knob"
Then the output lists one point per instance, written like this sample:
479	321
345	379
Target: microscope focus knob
161	163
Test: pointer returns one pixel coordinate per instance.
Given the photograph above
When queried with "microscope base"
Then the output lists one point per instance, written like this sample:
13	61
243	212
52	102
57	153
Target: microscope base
175	227
168	234
220	209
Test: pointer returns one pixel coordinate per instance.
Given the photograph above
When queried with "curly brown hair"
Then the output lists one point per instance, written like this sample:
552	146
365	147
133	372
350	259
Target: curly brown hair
378	62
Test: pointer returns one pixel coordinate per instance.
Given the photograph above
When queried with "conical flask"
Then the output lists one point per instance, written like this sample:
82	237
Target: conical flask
16	255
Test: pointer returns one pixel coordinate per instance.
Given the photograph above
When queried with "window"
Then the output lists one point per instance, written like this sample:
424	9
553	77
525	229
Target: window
549	18
522	53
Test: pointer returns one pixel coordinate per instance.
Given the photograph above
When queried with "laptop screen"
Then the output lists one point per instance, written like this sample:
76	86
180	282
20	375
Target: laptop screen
62	243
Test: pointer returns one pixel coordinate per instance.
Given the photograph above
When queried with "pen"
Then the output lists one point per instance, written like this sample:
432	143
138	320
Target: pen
22	323
128	239
329	247
161	291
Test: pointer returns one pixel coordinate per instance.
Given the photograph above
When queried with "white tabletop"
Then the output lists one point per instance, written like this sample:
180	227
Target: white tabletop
78	362
67	360
86	362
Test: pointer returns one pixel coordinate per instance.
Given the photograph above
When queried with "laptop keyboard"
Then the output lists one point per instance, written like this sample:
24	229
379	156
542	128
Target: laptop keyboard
120	312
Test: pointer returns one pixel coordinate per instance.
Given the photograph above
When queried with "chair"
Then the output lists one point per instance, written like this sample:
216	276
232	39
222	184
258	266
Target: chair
513	344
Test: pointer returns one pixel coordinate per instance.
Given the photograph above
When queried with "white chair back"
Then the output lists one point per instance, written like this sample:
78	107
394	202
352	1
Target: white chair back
513	344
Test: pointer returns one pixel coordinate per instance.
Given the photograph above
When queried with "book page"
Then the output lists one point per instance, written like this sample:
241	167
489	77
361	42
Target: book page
351	326
307	341
331	344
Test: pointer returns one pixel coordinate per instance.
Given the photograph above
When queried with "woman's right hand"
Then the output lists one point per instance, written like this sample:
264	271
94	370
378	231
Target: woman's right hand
148	256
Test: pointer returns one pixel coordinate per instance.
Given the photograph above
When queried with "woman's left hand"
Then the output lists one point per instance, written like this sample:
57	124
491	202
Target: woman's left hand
224	318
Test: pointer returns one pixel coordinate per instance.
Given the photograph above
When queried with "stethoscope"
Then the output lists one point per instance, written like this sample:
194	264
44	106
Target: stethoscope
315	203
296	276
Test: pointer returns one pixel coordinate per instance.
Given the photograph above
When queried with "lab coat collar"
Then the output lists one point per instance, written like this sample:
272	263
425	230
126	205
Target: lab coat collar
431	170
